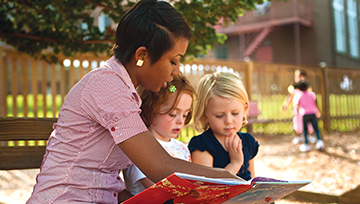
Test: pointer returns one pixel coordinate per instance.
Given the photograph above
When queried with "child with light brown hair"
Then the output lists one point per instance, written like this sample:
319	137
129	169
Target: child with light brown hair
165	113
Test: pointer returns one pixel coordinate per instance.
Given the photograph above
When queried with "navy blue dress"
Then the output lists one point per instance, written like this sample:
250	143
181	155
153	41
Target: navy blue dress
208	142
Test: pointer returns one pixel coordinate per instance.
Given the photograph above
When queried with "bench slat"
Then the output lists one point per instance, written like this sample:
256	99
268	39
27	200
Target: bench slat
21	157
25	128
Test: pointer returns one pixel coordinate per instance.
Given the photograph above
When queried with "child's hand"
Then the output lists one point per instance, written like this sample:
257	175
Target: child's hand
233	144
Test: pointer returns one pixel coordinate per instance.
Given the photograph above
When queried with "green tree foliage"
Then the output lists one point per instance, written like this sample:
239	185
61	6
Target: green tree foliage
46	28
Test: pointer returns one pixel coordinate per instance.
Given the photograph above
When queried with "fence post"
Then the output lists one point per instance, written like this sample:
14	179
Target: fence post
24	88
248	85
3	83
248	78
326	98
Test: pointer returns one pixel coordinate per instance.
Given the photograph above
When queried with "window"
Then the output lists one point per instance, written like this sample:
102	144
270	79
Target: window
262	9
104	22
339	19
353	28
84	27
221	53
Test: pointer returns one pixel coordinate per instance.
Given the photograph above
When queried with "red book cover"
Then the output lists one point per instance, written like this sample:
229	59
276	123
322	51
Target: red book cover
186	188
174	189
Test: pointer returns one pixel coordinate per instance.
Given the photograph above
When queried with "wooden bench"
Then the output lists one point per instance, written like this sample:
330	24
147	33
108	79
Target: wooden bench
254	113
23	141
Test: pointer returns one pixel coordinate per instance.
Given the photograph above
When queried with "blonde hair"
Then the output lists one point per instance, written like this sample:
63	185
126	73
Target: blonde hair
222	84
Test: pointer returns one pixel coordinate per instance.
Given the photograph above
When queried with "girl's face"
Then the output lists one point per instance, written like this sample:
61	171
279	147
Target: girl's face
166	126
224	116
155	76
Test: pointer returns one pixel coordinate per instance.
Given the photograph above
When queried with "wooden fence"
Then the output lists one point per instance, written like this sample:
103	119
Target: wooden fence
30	88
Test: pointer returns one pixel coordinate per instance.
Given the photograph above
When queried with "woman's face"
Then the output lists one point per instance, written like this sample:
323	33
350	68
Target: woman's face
155	76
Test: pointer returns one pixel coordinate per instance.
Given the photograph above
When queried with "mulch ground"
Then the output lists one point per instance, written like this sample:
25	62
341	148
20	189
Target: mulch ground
334	171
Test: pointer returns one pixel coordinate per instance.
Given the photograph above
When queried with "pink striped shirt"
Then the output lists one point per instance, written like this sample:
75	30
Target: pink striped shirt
82	159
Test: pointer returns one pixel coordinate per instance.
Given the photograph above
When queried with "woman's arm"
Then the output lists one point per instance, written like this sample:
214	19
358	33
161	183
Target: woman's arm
156	163
203	158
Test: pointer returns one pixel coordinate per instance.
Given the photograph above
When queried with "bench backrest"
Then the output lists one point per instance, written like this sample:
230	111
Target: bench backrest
253	111
23	141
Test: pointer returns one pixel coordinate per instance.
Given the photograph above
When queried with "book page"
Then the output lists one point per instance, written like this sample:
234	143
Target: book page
263	193
265	179
227	181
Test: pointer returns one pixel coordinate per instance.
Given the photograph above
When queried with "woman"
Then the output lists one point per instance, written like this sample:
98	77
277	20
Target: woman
99	130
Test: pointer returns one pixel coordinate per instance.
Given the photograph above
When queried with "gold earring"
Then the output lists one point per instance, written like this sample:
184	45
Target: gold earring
140	62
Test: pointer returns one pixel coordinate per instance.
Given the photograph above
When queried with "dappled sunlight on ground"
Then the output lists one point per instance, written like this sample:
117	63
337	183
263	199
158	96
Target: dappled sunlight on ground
16	185
334	171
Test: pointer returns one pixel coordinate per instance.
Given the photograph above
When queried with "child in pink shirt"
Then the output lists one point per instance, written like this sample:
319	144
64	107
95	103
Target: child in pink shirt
307	107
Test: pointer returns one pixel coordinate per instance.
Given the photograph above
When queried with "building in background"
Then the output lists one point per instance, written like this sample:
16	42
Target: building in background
304	32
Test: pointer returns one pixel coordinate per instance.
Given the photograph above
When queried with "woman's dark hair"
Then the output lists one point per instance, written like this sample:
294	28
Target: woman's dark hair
152	101
152	24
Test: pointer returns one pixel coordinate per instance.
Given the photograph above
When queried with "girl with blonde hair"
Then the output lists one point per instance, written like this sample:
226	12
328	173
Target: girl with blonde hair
219	113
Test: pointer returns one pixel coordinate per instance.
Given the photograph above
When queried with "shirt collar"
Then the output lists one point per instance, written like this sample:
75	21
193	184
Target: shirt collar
115	65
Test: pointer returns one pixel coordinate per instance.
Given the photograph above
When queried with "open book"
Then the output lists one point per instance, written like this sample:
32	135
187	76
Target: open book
186	188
